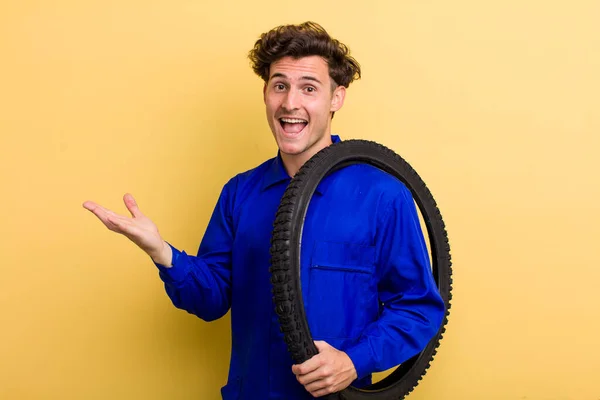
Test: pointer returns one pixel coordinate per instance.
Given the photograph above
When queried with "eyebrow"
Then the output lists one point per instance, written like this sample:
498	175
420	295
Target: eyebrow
306	77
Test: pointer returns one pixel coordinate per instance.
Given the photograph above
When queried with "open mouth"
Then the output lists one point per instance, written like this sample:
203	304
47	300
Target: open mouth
293	126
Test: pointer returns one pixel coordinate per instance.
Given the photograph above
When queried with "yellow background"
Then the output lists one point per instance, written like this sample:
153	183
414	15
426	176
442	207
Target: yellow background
495	103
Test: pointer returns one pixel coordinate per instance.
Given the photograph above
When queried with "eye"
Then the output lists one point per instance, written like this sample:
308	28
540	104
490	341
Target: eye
310	89
279	86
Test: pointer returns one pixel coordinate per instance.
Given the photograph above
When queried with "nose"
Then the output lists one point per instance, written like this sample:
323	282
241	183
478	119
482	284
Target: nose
291	101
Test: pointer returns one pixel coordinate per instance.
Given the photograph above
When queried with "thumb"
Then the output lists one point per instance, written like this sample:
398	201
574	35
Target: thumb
322	345
132	206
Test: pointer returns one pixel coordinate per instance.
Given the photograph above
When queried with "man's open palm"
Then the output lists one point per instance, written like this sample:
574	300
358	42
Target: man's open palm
138	228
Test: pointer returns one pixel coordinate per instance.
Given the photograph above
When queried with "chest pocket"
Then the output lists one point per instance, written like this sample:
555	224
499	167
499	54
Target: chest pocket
342	291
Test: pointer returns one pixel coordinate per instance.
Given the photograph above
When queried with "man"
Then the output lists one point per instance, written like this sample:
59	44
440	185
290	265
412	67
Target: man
369	294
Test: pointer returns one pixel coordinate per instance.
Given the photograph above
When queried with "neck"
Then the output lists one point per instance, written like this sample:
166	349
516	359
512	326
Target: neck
293	162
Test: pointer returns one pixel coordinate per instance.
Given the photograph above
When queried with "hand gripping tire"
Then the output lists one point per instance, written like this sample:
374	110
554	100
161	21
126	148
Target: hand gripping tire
285	259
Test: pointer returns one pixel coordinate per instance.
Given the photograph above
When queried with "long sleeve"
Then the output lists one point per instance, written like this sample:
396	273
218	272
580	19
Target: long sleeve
411	308
201	285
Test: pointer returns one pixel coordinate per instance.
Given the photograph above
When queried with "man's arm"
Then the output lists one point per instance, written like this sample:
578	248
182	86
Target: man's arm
412	308
138	228
201	285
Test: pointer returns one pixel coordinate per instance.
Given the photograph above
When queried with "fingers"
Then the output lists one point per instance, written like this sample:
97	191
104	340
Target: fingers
119	221
322	345
321	387
311	370
313	363
307	366
90	205
99	211
323	392
317	377
328	372
109	218
132	206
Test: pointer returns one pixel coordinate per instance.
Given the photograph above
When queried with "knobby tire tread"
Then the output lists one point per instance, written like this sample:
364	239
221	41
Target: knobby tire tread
285	260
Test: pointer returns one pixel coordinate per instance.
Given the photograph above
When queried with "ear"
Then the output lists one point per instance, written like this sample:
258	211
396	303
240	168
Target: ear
337	98
265	93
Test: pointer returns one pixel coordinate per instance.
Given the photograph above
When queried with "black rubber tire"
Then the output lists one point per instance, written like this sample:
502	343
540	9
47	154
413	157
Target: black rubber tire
285	259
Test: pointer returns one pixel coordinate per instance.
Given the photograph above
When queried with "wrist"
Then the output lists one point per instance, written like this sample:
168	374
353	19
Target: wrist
351	366
164	257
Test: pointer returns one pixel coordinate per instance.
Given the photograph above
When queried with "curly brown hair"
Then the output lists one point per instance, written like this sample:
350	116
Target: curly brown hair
306	39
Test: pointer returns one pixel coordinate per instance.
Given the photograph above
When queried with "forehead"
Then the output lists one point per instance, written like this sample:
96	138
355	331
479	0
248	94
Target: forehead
296	68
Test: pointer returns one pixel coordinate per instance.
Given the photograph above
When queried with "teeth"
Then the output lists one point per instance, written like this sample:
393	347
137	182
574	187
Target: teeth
293	120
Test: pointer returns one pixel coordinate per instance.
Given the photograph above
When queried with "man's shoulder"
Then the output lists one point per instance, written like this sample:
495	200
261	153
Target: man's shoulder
253	174
371	177
242	183
367	185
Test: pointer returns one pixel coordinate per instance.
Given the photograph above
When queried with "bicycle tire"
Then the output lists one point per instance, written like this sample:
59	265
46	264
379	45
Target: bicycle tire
285	259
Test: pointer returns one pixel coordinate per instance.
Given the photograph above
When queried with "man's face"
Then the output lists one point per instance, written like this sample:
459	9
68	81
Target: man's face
299	100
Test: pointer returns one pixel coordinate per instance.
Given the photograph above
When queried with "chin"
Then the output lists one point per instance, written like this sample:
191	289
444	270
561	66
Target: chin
290	146
291	149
